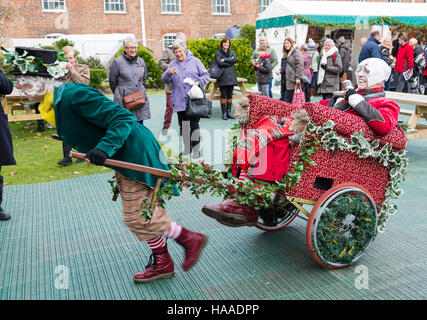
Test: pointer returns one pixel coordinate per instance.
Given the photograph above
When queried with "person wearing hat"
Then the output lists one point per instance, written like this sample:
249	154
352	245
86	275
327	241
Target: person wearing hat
369	101
345	54
94	124
6	146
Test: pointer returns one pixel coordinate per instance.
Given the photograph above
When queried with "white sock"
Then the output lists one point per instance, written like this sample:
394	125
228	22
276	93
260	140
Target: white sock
174	231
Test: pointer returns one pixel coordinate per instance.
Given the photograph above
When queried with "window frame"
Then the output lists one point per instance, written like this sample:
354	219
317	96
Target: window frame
171	12
213	3
115	11
163	39
262	6
54	10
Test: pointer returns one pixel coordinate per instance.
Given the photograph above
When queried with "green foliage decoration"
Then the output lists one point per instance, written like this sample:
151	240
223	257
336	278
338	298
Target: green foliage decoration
154	75
205	50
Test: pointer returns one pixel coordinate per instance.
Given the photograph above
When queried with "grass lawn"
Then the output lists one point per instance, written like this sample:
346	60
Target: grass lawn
37	154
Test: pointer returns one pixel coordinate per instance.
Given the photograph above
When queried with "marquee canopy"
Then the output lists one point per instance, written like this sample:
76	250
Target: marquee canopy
282	13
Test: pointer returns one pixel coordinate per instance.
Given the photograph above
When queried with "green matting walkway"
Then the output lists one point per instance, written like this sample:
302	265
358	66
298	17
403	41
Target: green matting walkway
66	240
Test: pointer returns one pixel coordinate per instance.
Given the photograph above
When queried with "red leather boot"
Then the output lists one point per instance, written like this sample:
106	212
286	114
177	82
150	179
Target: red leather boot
228	210
193	243
160	266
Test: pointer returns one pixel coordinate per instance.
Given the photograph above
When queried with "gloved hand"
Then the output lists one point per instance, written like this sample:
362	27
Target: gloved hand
348	93
323	65
96	156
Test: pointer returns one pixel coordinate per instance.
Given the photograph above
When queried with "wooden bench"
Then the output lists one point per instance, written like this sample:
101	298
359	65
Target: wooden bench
15	101
214	93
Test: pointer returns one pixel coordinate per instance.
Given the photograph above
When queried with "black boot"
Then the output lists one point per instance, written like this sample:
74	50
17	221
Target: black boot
3	214
224	111
229	111
195	149
41	126
66	149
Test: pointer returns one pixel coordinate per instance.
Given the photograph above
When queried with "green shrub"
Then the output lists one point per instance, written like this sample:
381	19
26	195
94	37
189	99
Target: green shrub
91	62
97	76
3	66
205	50
154	75
62	43
248	31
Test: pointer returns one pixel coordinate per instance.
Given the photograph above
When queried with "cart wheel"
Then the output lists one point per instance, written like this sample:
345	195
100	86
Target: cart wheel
342	225
278	216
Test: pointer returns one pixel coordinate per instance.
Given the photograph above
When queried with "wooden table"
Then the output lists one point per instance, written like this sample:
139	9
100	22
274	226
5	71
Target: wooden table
15	101
214	93
420	101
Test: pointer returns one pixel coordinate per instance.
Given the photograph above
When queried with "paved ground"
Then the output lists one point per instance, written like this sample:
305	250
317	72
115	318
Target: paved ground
66	240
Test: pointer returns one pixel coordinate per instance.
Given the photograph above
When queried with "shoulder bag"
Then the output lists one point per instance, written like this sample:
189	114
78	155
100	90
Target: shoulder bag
199	108
136	99
215	72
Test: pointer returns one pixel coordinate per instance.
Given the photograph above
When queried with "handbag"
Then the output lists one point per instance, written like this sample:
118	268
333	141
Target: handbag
215	72
299	96
136	99
199	108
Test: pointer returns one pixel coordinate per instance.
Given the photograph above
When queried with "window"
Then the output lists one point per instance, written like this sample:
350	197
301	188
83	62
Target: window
114	6
168	39
53	5
220	6
171	6
393	0
263	4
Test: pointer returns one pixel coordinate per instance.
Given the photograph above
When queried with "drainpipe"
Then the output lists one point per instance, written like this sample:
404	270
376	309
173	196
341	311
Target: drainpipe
141	5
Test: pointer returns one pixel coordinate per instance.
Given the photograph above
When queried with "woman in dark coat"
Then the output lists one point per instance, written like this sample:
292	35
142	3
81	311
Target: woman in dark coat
225	59
6	146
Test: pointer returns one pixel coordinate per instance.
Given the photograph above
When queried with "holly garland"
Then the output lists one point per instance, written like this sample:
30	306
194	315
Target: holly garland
395	162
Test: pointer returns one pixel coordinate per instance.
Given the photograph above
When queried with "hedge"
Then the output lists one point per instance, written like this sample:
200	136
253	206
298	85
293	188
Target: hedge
154	79
205	50
97	76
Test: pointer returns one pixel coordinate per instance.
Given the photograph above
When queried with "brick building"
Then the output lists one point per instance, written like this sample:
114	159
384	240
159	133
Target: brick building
153	22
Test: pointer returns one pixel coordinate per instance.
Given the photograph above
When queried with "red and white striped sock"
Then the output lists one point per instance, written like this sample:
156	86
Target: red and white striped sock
156	243
174	231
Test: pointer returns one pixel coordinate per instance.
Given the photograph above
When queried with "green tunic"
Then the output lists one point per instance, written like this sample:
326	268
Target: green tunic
86	119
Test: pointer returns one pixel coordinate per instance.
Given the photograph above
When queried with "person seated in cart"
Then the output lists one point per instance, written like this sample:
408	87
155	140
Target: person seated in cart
368	102
94	124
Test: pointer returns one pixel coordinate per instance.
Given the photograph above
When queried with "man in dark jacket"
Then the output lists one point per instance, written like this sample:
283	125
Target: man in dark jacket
371	48
6	146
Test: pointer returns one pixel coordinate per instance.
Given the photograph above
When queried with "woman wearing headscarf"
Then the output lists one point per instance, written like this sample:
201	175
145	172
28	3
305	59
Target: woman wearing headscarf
185	66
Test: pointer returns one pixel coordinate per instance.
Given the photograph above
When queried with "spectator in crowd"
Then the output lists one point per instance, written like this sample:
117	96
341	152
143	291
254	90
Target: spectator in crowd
345	53
314	65
128	74
77	73
425	70
6	145
363	41
107	130
263	70
330	70
419	66
371	48
386	47
255	56
225	59
185	65
404	63
294	67
396	45
307	73
166	58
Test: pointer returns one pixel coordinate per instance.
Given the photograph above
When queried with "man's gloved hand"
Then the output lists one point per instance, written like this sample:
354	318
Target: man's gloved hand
323	65
96	156
348	93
